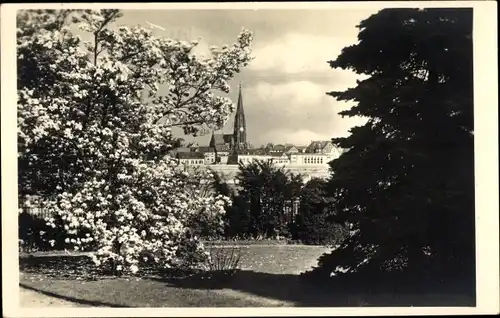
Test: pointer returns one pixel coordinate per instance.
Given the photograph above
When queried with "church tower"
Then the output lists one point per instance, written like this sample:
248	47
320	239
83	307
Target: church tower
240	126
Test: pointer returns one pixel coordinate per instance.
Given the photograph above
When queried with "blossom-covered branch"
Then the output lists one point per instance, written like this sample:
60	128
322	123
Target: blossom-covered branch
88	136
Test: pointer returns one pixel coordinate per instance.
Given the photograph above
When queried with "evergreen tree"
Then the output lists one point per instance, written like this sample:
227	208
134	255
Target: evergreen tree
265	193
315	222
406	181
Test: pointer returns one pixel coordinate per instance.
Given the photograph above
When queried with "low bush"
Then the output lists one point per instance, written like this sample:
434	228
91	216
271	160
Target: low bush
222	263
321	231
224	259
36	235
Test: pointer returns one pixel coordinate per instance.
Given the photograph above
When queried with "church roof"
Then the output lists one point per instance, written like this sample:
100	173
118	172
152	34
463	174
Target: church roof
221	139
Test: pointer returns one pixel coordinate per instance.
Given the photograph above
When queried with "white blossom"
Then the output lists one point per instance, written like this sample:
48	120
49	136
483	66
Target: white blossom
96	128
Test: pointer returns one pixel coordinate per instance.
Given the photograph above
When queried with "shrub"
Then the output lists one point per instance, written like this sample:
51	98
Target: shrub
319	230
36	235
90	138
223	262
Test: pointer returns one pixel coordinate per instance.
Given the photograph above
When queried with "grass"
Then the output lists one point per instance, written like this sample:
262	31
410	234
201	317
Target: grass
268	278
245	242
34	299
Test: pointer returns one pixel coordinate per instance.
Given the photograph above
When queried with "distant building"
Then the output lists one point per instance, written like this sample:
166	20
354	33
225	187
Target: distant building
208	154
280	158
291	149
175	151
301	148
233	149
248	156
310	159
225	144
317	153
221	142
278	148
240	127
191	158
323	147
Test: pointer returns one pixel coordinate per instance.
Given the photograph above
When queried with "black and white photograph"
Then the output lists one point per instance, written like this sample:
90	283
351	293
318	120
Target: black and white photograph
250	156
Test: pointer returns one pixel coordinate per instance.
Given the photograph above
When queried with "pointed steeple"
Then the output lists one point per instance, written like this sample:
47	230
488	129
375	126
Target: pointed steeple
239	109
240	127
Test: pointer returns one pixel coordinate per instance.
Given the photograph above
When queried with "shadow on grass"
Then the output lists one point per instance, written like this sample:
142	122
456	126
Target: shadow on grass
293	288
75	267
60	267
72	299
335	292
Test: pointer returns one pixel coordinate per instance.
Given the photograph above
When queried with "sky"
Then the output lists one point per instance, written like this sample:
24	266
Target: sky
285	86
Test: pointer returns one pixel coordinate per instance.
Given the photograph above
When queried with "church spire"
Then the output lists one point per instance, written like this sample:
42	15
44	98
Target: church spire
240	127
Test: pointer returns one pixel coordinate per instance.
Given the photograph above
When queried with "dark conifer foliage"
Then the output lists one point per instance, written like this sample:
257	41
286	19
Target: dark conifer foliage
406	181
265	193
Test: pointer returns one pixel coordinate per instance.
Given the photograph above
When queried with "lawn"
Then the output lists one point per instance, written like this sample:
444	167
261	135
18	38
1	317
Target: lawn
268	278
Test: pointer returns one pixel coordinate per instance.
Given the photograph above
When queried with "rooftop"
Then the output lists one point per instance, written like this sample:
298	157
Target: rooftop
221	139
190	155
317	145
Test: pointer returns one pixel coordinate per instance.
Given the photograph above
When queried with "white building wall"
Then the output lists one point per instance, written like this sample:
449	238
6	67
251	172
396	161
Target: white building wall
209	157
192	162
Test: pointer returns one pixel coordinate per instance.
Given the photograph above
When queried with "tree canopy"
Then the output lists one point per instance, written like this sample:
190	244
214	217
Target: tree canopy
406	179
263	203
92	145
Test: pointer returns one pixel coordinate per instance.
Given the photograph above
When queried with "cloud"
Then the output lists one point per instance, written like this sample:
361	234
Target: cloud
296	53
302	137
284	87
294	93
295	112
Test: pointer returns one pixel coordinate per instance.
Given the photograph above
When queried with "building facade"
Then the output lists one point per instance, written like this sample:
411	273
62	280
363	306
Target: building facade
233	149
191	158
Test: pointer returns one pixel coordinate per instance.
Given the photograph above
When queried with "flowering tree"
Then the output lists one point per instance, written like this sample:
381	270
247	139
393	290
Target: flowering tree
94	128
